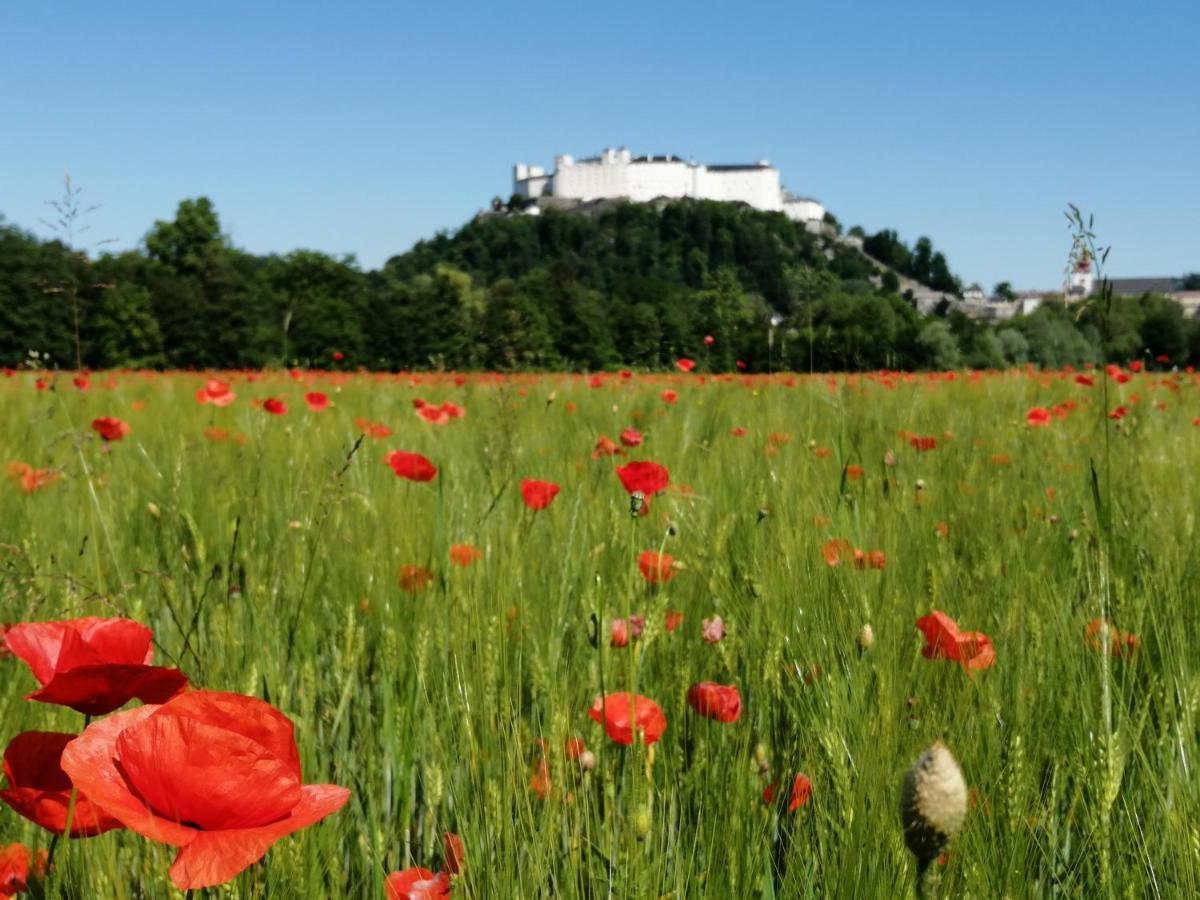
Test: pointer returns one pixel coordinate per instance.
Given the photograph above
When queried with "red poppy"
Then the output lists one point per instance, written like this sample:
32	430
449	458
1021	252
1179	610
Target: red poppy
619	720
739	431
453	410
606	446
631	437
669	396
874	559
709	340
973	649
923	444
741	364
712	630
435	415
801	792
316	401
412	466
685	364
93	665
853	472
29	478
1115	373
573	747
1122	644
1085	380
1119	413
274	406
716	701
1136	366
454	858
647	477
110	429
414	579
539	781
417	884
837	551
538	494
338	355
216	392
18	868
656	567
40	790
1038	416
81	382
673	618
215	774
464	554
624	629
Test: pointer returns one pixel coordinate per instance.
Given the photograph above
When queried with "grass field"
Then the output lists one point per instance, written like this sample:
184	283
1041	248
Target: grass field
267	553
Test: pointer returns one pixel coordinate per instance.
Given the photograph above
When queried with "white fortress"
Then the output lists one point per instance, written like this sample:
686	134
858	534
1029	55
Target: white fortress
616	174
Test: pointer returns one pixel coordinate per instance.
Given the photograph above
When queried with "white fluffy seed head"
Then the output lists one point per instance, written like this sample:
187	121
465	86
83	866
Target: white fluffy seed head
933	803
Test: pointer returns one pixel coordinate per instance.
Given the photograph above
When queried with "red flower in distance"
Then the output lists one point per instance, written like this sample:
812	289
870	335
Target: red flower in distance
538	494
1038	416
215	774
19	867
672	619
110	429
669	396
623	713
837	551
1122	644
216	392
801	792
435	415
464	554
29	478
338	355
454	858
417	884
685	365
712	629
38	788
316	401
631	437
709	340
412	466
716	701
573	747
606	446
274	406
93	665
973	649
922	444
453	410
656	567
414	579
647	477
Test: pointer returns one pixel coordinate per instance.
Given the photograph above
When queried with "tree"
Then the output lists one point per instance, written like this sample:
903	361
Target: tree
939	346
1004	291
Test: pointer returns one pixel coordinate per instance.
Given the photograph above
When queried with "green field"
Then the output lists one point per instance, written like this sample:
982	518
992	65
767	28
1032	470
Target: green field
267	556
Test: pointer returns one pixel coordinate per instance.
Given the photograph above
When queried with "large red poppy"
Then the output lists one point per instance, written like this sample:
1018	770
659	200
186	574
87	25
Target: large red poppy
93	665
647	477
622	713
412	466
110	429
215	774
417	884
38	788
538	494
973	649
1038	416
656	567
716	701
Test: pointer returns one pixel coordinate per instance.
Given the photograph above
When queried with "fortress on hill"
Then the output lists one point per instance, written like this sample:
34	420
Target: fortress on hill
616	174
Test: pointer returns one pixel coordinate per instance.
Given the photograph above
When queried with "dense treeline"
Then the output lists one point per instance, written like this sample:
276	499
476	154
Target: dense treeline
633	285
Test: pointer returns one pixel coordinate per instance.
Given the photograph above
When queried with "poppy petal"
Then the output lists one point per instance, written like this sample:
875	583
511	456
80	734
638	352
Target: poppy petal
98	690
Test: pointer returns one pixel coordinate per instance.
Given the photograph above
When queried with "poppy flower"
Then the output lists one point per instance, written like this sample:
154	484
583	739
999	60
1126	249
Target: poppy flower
93	665
1085	380
712	630
685	365
538	494
1115	373
623	713
739	431
18	868
837	551
631	437
412	466
1119	413
672	619
874	559
709	340
453	410
417	884
621	630
215	774
973	649
338	355
1038	416
1136	366
1122	644
573	747
801	792
464	554
853	472
274	406
669	396
656	567
453	856
922	444
316	401
435	415
29	478
110	429
38	788
605	446
716	701
81	382
741	364
216	393
647	477
539	781
414	579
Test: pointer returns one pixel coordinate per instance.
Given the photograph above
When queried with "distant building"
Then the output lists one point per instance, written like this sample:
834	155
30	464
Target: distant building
616	174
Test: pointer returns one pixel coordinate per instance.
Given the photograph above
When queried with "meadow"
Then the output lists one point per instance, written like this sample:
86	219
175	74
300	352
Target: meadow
438	644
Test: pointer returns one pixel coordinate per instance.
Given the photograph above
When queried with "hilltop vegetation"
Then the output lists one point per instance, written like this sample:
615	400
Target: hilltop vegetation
635	285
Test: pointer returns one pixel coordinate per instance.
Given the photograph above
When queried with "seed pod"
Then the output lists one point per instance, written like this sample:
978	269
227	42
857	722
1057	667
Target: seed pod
866	638
933	803
636	500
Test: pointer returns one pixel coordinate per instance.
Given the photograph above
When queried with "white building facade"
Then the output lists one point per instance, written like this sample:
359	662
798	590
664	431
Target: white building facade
616	174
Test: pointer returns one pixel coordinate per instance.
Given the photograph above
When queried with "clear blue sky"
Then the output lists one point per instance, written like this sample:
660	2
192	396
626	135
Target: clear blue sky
365	128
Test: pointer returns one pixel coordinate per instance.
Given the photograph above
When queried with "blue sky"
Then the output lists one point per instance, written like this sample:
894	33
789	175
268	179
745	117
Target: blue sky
363	129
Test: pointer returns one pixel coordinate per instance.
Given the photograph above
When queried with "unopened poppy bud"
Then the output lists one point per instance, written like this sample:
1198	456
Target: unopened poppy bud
933	803
642	822
760	758
153	509
920	484
636	501
889	459
587	760
866	637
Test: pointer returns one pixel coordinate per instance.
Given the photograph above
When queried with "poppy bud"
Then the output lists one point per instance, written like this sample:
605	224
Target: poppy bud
920	484
866	638
153	509
587	760
642	822
933	803
760	758
636	500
